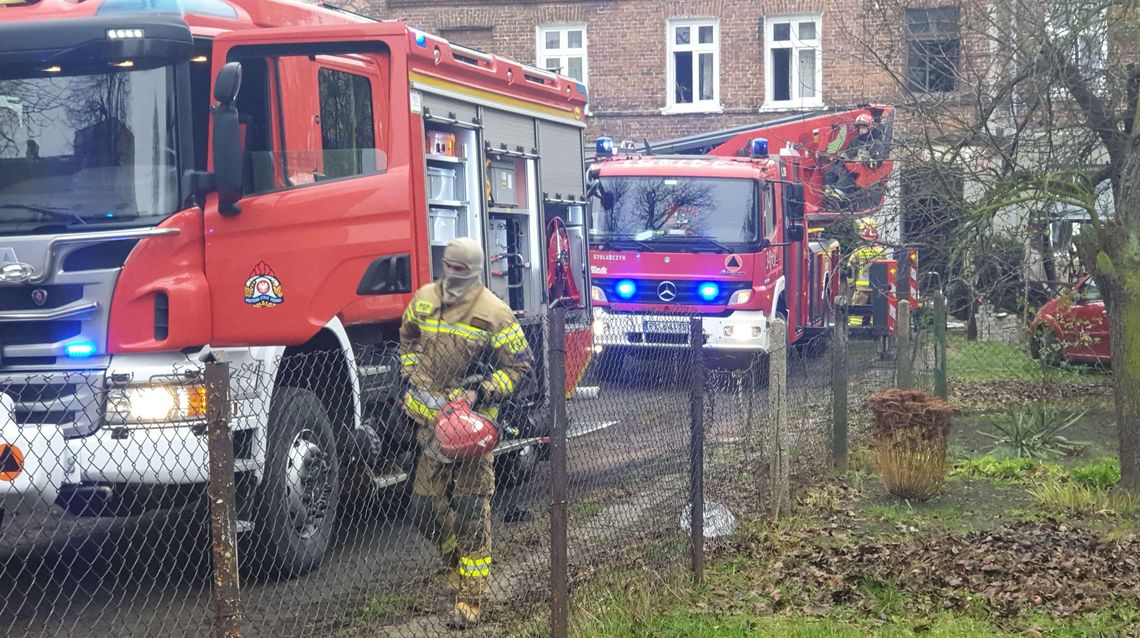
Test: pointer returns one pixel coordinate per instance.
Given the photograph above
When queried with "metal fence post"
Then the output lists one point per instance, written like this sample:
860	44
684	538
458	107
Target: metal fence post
839	388
220	491
940	387
904	377
559	585
697	449
778	415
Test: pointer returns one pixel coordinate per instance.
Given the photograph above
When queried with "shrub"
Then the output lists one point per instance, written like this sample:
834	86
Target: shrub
1006	469
1100	474
1033	431
911	431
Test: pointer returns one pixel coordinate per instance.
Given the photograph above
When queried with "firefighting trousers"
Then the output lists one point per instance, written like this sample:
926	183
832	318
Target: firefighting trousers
458	521
860	297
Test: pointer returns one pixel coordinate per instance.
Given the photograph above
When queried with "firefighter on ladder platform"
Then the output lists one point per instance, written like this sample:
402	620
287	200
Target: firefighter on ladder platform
447	329
859	264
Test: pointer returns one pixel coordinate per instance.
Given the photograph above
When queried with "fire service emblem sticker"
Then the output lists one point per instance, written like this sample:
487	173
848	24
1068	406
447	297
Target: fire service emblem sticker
263	289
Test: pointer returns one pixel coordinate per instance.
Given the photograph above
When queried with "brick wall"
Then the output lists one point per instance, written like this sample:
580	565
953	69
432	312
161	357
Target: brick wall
627	53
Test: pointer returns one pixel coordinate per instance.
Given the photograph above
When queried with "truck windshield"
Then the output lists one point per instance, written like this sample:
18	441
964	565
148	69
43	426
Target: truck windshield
699	213
87	152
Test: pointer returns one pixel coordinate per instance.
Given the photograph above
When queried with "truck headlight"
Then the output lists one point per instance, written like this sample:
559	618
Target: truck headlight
156	404
597	294
740	297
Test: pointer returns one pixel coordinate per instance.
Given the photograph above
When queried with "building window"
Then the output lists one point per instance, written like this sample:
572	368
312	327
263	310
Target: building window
694	65
1081	34
792	64
562	48
932	44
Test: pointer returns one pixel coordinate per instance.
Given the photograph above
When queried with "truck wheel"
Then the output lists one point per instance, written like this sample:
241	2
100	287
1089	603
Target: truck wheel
295	506
606	366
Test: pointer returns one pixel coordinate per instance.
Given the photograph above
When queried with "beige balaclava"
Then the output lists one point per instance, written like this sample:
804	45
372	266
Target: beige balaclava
462	268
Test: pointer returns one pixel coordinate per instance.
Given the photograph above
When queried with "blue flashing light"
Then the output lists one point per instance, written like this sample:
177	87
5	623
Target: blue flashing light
708	290
421	39
604	146
80	349
626	288
760	147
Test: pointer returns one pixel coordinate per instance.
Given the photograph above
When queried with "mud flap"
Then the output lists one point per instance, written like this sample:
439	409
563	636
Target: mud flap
32	462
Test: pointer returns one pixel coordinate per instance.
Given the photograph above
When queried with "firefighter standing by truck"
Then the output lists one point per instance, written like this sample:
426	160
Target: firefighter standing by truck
859	264
448	327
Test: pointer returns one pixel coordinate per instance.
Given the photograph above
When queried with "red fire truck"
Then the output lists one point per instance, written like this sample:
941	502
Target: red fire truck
721	226
267	181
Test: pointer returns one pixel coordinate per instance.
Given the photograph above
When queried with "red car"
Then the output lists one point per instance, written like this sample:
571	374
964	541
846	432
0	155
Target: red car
1072	326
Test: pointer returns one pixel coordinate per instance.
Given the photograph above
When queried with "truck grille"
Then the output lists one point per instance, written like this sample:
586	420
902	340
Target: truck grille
70	399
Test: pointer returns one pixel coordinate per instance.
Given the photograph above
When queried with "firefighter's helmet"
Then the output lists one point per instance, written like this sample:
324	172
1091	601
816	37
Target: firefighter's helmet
864	120
462	433
868	230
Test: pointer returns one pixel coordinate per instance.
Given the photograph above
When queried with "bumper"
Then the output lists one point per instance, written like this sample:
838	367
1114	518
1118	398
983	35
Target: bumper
742	332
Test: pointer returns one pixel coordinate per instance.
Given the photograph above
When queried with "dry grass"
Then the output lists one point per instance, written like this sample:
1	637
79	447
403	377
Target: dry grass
909	472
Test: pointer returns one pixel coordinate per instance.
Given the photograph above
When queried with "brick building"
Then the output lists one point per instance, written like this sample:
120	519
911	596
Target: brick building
658	69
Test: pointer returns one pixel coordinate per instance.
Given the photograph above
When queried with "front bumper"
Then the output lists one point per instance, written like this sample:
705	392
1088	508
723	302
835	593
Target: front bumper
743	331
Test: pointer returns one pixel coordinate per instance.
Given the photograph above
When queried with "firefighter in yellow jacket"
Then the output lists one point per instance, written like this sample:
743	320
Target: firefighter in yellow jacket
449	326
860	264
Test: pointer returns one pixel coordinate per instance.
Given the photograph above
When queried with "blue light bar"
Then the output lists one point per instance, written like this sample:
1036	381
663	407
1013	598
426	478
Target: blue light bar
760	147
626	288
604	146
708	290
421	39
80	349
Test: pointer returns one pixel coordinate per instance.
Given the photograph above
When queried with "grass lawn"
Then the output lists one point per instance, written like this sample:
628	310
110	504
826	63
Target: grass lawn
997	553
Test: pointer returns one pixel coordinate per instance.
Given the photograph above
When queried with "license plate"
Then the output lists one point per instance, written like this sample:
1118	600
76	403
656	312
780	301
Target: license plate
670	327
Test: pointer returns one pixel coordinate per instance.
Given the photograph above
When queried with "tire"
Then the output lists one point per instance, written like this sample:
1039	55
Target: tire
606	367
294	508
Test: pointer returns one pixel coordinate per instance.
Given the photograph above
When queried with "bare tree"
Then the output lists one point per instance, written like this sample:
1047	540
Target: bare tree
1032	104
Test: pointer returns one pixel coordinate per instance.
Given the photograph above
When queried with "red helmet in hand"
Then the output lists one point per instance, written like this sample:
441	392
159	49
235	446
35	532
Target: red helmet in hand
462	433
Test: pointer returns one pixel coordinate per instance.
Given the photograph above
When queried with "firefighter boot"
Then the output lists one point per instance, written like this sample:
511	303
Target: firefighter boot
465	615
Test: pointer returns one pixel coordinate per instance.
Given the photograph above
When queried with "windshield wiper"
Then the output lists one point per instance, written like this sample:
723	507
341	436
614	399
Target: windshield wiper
629	239
54	213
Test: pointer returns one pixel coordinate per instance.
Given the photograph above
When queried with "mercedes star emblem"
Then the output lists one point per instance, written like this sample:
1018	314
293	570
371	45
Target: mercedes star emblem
667	291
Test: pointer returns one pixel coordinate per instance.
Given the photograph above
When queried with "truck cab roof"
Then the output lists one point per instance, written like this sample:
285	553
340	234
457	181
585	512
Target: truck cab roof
689	166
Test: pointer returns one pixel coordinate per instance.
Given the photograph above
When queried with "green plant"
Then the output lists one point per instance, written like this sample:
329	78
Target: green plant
1034	430
1006	469
1074	499
1100	474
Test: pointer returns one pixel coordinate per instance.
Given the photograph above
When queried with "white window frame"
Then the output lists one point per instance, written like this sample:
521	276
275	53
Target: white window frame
770	103
1094	45
696	48
541	53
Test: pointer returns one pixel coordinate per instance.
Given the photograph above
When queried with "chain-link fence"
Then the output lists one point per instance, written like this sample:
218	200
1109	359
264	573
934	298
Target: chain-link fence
334	508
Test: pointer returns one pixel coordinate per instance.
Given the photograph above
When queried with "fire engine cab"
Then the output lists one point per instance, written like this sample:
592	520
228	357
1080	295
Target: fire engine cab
267	181
723	226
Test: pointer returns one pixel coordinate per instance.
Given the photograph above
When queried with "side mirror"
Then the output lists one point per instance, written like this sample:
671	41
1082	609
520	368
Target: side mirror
794	202
795	233
387	275
227	139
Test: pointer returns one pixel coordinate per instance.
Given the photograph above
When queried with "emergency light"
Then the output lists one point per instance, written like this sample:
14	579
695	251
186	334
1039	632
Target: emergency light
708	290
604	146
759	147
80	349
626	288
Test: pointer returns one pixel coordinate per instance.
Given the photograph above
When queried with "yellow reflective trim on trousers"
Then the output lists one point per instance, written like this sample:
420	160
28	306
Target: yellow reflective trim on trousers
409	359
475	567
503	380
